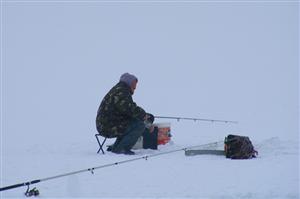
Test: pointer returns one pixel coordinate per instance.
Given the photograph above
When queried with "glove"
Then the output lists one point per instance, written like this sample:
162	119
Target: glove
147	124
149	119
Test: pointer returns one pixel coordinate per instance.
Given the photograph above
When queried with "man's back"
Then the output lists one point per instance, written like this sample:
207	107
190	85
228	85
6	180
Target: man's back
116	111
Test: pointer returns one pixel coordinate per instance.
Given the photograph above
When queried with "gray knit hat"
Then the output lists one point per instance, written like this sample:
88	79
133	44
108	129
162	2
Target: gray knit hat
128	78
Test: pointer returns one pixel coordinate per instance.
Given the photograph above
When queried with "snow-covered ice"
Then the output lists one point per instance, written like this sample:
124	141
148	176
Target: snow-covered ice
232	60
273	174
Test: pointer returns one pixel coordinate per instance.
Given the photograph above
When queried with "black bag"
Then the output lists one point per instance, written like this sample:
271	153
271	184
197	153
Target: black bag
239	147
150	139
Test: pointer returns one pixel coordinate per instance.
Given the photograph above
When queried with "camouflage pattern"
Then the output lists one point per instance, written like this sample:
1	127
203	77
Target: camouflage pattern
239	147
116	111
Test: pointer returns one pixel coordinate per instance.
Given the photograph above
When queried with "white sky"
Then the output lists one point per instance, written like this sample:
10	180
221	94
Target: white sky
235	61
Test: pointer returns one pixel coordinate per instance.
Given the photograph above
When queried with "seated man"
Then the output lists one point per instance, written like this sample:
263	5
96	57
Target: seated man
118	116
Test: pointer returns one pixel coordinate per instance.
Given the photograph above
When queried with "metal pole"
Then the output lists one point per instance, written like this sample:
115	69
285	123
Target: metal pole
196	119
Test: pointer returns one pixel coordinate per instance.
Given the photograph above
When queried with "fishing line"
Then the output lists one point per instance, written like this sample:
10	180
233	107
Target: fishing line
92	169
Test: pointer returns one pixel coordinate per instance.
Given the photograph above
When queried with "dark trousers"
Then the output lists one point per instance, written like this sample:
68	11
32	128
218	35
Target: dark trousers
130	137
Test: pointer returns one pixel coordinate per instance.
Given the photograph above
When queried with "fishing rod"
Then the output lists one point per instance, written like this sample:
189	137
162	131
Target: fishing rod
35	192
196	119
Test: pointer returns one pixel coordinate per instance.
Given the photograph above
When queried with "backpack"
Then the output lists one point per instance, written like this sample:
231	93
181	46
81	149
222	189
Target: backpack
239	147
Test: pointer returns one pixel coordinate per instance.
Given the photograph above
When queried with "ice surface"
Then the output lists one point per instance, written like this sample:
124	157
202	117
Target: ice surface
233	61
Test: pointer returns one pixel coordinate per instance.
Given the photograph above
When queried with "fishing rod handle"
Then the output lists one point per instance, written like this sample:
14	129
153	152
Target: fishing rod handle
19	185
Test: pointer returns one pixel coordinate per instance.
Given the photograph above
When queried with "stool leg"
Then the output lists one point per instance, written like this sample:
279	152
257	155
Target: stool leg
102	145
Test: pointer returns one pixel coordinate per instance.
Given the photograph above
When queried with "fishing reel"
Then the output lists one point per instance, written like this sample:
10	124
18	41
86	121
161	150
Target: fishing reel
32	192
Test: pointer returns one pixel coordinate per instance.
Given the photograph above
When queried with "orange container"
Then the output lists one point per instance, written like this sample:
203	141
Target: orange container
164	133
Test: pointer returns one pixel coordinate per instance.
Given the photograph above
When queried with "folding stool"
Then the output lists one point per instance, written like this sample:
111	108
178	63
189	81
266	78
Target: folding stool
100	144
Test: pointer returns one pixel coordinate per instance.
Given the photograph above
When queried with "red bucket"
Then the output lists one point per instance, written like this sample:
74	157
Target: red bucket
164	133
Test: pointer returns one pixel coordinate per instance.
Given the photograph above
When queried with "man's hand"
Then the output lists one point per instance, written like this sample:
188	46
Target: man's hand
149	117
146	117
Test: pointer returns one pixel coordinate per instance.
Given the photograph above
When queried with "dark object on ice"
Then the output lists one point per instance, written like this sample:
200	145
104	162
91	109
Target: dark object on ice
123	151
109	148
204	152
150	139
235	147
239	147
32	192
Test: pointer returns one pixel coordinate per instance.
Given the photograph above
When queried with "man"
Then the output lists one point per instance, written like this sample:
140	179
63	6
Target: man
118	116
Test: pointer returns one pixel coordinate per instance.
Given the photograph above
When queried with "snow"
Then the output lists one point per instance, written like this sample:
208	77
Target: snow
232	61
273	174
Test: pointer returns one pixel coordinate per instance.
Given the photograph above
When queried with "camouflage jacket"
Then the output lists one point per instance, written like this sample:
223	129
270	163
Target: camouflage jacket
116	111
